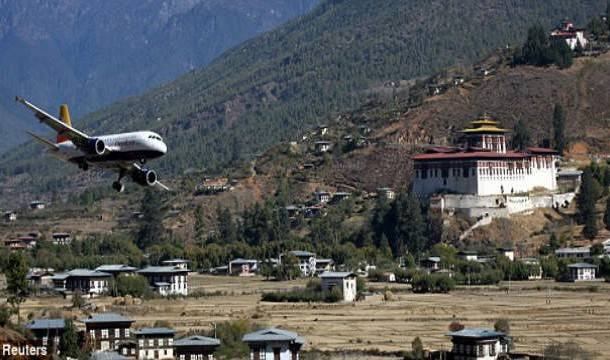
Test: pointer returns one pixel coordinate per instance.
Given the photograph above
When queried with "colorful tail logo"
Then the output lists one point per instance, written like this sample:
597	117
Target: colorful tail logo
64	116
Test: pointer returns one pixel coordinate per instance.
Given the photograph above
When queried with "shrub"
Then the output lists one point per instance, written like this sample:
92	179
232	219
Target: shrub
133	285
456	326
434	283
304	295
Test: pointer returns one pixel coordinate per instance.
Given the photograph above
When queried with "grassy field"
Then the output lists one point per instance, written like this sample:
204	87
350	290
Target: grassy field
539	312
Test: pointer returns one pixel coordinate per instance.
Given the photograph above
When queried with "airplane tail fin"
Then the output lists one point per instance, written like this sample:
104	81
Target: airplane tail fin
64	116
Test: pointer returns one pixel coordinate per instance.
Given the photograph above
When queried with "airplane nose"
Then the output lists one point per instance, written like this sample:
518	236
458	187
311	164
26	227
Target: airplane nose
163	148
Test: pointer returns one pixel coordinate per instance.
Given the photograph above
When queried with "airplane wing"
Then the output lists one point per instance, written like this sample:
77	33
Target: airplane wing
76	136
44	141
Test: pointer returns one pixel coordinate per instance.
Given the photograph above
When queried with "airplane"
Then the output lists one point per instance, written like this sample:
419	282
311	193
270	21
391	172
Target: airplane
125	153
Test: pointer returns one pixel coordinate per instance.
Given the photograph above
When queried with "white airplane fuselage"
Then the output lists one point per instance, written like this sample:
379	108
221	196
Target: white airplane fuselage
133	146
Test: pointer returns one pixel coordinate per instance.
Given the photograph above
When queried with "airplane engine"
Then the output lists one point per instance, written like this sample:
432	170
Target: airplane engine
96	147
145	177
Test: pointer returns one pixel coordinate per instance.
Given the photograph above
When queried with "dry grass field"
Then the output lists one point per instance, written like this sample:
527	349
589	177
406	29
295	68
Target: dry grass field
540	313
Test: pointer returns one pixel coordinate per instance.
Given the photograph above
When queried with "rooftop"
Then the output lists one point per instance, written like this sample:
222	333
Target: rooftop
107	355
115	267
197	340
175	261
43	324
301	253
582	266
161	270
273	334
336	274
476	333
573	250
106	318
87	273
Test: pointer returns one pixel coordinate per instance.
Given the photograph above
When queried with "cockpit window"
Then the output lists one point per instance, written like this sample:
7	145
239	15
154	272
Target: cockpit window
155	137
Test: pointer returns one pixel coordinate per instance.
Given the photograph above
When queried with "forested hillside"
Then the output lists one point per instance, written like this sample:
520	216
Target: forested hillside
90	53
305	72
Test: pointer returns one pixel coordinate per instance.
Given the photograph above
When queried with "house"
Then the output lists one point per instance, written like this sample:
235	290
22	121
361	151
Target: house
386	193
116	269
574	37
10	216
37	205
583	252
177	263
47	332
154	343
314	211
40	278
322	130
322	197
274	344
21	243
483	165
458	80
478	344
509	252
432	263
606	245
582	271
105	331
166	280
323	265
306	261
323	146
87	282
535	268
195	347
61	238
214	186
293	211
346	281
340	196
468	255
569	179
243	267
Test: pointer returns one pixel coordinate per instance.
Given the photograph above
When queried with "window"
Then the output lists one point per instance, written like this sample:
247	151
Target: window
104	333
126	333
45	341
92	334
492	349
117	333
151	342
141	343
170	342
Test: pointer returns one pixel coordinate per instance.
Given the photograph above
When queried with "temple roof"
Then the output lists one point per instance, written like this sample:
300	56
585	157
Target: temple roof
484	124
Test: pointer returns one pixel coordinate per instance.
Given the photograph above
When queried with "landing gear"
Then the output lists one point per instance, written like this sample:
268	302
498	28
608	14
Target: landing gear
83	166
118	185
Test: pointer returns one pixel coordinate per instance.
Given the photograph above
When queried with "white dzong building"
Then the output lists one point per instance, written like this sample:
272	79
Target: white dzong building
484	166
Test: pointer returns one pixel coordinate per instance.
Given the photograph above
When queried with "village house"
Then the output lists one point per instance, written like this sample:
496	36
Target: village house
478	344
323	146
166	280
306	261
535	268
582	271
346	281
583	252
177	263
314	211
26	242
573	36
87	282
243	267
386	193
458	80
323	265
213	186
106	331
431	264
322	197
293	211
196	348
47	332
274	344
606	245
107	355
116	269
10	216
37	205
40	278
483	165
569	179
154	343
509	252
61	238
340	196
322	130
468	255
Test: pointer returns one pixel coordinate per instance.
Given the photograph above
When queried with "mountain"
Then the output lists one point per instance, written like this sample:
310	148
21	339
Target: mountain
90	53
307	71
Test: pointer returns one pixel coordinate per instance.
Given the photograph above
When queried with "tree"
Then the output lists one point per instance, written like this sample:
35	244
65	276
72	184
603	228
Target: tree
68	343
535	51
569	350
200	234
134	285
585	202
502	325
559	128
417	349
607	214
521	136
16	281
151	231
77	300
561	53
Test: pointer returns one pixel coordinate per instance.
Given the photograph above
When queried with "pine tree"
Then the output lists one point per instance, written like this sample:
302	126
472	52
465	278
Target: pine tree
585	202
68	343
417	349
521	137
561	53
559	128
607	214
151	231
16	282
411	226
535	51
200	235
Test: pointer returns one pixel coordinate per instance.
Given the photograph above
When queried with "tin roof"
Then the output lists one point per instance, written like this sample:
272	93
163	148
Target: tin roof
582	266
161	270
273	334
107	355
43	324
197	340
106	318
476	333
115	267
336	274
154	331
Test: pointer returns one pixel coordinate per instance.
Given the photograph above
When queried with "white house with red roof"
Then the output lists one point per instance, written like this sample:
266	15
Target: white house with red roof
483	165
572	35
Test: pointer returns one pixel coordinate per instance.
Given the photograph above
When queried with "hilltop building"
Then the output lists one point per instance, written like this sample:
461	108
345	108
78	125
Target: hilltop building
37	205
572	35
10	216
483	165
61	238
274	344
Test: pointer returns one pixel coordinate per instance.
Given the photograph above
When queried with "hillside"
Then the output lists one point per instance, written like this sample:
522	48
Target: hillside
91	53
305	72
